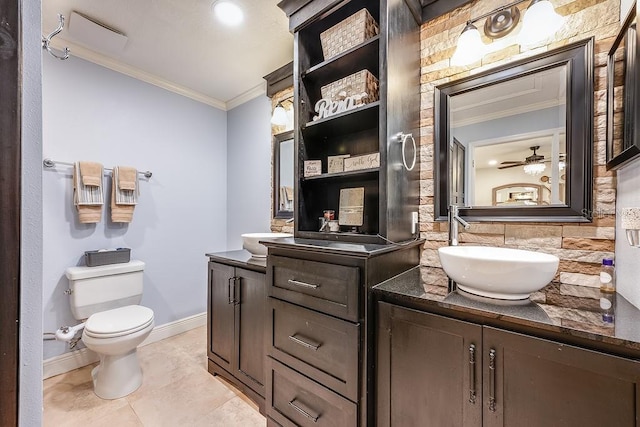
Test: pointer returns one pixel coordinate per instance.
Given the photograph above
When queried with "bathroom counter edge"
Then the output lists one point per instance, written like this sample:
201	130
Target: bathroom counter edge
240	258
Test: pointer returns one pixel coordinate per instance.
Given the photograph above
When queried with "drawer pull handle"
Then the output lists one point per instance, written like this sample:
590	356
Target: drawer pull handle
492	380
472	374
303	284
303	412
304	343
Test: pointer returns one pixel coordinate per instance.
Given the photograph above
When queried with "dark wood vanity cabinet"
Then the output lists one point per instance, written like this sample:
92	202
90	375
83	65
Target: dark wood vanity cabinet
235	328
319	339
429	368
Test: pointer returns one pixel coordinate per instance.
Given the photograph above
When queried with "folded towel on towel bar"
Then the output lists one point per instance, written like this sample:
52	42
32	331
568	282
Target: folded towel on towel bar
123	200
88	199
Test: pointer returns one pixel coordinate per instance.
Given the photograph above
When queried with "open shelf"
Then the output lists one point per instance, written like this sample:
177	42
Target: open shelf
361	118
363	56
336	175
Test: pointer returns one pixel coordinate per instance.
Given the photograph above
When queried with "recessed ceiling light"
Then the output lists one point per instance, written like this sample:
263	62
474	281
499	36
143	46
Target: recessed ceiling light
493	162
228	12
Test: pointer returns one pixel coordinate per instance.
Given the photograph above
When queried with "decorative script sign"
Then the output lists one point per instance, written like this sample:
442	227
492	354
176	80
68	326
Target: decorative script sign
367	161
336	163
327	108
312	167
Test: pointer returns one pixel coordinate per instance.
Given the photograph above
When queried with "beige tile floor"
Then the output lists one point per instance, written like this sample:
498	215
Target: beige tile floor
176	391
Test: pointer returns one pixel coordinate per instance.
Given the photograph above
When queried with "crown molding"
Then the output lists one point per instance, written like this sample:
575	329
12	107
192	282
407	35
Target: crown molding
252	93
136	73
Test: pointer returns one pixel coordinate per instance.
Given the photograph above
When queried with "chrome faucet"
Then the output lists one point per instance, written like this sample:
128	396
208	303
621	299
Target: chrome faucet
454	219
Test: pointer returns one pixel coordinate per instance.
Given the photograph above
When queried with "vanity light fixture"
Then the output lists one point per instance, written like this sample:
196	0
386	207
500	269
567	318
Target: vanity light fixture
279	117
227	12
540	21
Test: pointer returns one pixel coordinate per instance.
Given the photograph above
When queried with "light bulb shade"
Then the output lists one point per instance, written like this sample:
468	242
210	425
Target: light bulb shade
279	117
539	23
534	168
470	48
228	12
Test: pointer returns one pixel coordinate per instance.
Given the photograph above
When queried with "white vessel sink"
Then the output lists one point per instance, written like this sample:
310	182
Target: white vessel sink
502	273
250	242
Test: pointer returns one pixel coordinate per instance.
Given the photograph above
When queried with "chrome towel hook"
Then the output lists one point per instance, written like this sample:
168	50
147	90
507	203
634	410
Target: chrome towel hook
46	41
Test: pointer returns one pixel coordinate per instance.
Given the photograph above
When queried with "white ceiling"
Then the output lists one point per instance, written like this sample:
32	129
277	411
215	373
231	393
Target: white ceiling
179	45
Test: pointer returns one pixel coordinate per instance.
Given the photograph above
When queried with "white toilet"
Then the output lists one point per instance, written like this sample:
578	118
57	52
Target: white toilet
107	297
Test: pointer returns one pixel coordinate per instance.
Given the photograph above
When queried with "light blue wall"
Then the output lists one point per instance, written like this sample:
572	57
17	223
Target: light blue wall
30	363
92	113
248	170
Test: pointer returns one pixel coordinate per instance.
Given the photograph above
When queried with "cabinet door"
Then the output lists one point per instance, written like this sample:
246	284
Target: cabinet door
428	370
250	328
536	382
221	314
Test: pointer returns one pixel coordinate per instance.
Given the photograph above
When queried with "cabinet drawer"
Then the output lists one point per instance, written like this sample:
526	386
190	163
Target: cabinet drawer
321	347
330	288
295	400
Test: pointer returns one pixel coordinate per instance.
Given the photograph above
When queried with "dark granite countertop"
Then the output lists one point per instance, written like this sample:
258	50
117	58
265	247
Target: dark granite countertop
556	316
354	249
241	258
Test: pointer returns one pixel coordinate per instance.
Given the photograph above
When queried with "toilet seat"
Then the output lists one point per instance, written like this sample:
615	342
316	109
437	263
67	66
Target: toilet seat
118	322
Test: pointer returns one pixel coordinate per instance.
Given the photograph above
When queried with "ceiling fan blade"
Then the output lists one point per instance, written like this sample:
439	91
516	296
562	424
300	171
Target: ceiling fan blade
510	166
520	162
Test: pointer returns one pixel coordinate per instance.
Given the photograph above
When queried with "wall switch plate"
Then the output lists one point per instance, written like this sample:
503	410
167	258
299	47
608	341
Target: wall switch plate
414	222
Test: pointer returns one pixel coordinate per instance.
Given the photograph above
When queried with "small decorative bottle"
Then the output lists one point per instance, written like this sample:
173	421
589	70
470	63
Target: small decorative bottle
608	290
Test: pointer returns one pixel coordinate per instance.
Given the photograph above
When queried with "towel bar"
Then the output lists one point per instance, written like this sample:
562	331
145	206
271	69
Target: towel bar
48	163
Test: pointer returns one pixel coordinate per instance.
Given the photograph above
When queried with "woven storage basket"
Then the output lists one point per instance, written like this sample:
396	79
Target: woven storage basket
354	84
348	33
116	256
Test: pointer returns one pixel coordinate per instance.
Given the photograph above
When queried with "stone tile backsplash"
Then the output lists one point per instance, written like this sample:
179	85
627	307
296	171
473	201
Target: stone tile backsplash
580	247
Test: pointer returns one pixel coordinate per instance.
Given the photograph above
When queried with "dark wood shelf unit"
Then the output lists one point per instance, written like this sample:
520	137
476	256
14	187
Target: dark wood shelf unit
338	175
365	117
393	55
361	57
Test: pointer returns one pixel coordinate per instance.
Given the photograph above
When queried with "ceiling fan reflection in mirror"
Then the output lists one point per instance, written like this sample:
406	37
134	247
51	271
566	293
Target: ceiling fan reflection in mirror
533	164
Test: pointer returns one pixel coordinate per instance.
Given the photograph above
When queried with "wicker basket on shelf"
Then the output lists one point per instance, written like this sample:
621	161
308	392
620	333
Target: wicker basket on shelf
348	33
354	84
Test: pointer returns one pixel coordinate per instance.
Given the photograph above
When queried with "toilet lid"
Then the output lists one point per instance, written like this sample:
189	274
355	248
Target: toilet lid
119	321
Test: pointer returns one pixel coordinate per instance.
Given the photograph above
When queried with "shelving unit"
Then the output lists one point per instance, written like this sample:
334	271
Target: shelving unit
391	191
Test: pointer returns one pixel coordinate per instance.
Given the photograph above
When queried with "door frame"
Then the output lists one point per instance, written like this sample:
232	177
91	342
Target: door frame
10	195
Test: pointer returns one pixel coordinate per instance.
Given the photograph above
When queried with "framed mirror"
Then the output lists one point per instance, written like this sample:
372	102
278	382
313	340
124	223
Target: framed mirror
283	176
527	124
622	145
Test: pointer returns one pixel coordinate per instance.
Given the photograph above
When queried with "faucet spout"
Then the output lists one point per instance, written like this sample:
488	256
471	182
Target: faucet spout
454	220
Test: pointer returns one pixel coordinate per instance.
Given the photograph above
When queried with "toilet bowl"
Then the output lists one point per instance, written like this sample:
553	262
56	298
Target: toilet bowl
115	335
107	297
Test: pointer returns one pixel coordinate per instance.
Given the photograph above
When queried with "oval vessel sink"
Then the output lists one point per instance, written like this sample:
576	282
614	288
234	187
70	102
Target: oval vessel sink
250	242
502	273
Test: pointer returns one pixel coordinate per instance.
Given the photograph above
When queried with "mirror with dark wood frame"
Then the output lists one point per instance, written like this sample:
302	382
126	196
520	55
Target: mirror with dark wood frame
283	175
527	125
622	144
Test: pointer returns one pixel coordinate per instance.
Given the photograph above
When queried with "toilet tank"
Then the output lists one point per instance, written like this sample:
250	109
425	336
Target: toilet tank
101	288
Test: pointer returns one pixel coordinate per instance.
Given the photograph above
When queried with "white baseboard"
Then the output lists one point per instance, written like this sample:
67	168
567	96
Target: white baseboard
77	359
